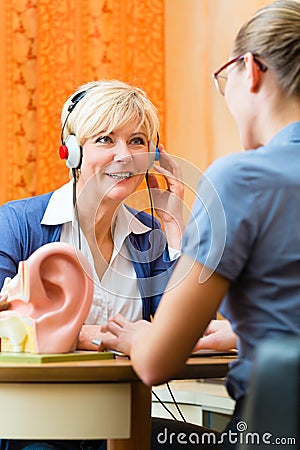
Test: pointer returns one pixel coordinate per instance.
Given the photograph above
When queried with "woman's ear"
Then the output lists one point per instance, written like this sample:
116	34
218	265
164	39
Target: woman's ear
253	72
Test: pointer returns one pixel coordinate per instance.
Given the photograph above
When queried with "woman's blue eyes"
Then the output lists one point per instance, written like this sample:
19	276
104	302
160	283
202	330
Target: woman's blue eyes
103	139
109	140
138	141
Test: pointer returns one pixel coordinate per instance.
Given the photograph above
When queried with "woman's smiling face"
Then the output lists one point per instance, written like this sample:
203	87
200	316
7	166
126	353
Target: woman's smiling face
117	161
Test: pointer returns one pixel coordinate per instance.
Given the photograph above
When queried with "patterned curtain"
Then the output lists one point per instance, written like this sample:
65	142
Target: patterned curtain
47	49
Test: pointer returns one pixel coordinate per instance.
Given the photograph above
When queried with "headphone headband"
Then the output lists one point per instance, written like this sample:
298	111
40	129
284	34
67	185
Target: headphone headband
75	99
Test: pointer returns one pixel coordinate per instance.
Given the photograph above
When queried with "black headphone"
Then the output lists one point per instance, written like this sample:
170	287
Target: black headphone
70	150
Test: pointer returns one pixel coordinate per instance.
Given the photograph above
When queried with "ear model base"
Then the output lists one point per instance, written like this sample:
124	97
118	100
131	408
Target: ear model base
71	152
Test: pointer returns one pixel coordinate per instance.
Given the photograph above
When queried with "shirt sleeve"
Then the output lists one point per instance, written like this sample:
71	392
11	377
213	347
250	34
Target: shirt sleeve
10	248
21	232
223	224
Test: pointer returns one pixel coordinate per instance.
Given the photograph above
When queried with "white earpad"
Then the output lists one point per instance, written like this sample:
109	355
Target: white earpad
74	150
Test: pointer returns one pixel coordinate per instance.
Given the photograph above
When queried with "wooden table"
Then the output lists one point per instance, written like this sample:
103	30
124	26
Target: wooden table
85	400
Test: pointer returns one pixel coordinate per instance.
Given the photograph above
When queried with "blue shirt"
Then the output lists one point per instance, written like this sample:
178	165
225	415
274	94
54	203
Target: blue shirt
22	232
247	222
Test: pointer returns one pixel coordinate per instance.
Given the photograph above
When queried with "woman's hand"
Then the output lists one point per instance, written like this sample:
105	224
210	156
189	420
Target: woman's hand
119	333
169	203
217	336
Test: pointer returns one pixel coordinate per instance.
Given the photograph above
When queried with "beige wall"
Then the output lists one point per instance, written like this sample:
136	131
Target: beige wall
198	39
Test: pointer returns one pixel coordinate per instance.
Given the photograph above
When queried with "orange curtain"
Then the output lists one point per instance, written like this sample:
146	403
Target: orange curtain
168	47
47	49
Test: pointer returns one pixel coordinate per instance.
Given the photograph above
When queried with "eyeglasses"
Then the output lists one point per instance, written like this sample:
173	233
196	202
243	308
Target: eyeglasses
220	76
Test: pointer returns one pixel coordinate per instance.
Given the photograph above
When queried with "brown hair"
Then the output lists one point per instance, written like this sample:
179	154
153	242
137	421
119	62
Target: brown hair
273	33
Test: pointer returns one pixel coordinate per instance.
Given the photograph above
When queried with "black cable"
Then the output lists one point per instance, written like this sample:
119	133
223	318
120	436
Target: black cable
148	187
150	199
162	404
76	208
169	389
175	403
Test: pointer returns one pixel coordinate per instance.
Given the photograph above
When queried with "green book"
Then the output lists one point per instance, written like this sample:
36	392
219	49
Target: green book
22	357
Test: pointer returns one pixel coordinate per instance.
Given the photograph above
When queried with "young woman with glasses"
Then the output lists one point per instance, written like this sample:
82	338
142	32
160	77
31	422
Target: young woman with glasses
241	248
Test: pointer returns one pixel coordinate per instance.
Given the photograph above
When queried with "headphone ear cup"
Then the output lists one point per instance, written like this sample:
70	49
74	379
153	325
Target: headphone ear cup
153	156
71	151
157	154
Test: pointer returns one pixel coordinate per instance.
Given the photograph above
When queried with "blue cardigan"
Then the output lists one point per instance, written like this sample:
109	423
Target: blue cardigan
21	233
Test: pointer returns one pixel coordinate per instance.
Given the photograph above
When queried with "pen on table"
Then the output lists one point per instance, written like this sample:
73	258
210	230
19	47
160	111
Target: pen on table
115	352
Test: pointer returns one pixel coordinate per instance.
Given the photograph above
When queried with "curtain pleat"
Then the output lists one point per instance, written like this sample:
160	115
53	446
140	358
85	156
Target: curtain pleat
47	50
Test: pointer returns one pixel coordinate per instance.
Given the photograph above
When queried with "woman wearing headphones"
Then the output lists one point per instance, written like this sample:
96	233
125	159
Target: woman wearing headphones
108	135
109	140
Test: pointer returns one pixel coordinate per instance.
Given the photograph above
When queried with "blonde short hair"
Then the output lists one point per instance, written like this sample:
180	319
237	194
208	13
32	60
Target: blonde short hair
273	33
106	105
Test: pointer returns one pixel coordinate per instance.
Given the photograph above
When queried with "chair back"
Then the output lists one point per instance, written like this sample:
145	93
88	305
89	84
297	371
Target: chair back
272	408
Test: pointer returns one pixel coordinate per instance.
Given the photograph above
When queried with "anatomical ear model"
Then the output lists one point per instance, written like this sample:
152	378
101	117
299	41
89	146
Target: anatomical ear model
50	298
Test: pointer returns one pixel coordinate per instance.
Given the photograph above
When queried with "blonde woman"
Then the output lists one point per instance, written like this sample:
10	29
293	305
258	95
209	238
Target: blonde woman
109	139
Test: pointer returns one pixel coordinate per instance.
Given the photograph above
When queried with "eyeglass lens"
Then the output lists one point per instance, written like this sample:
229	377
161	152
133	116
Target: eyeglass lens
222	79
